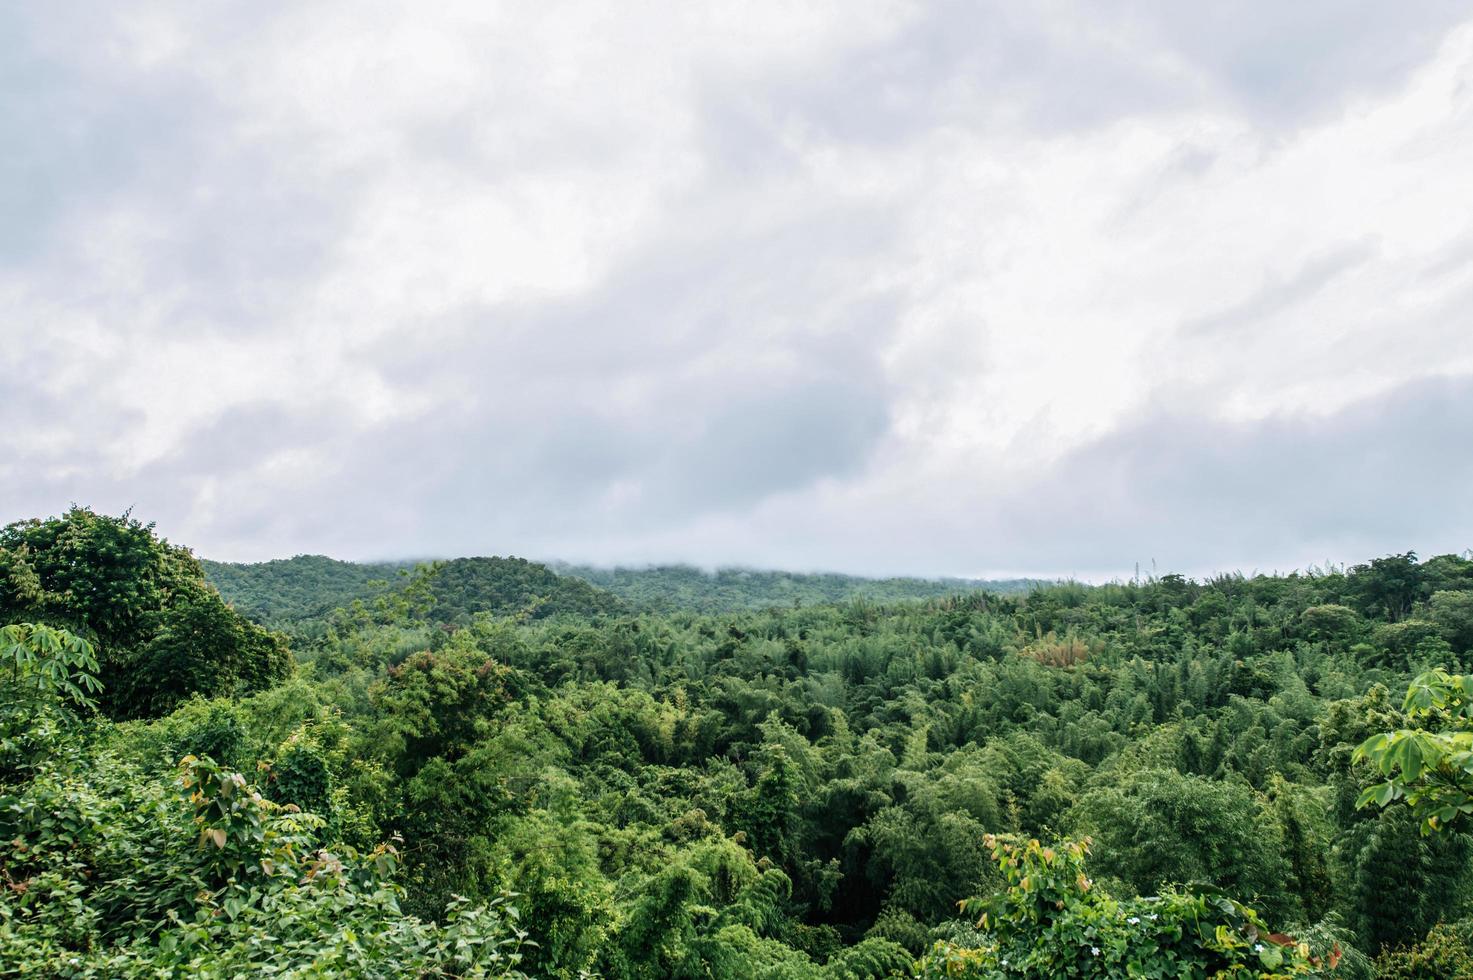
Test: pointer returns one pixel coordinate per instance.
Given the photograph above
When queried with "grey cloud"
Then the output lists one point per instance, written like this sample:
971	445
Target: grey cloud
1385	474
969	64
473	478
1181	489
696	381
215	477
244	435
232	230
708	375
802	272
1287	63
1455	257
1030	68
729	361
50	445
1277	295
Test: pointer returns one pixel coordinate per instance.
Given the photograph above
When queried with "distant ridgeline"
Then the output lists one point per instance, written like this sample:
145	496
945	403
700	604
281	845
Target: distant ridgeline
671	587
311	586
303	587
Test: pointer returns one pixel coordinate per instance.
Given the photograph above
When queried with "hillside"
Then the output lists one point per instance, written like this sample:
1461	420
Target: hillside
303	587
664	588
310	586
1182	768
464	587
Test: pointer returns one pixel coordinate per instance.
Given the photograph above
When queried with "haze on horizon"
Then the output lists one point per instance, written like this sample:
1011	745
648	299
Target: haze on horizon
944	288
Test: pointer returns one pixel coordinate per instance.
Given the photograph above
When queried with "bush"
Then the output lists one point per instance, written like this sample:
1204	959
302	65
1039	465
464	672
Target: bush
1052	921
1443	955
107	875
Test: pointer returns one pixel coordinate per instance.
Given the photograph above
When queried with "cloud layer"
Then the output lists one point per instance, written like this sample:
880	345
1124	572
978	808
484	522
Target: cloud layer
948	288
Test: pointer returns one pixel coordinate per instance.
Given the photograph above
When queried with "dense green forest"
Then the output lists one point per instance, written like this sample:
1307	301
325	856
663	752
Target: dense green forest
667	588
307	589
484	768
290	591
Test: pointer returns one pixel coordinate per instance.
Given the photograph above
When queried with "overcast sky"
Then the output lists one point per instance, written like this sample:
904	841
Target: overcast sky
949	288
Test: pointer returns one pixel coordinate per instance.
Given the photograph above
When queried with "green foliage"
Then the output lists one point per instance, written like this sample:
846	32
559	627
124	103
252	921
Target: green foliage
1431	770
1159	827
289	590
104	875
160	631
666	588
1443	955
1331	621
45	676
463	588
1397	882
38	663
302	777
550	860
437	703
1453	614
870	959
1051	920
1388	586
781	786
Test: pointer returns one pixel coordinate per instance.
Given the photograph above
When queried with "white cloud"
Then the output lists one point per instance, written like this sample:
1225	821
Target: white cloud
820	286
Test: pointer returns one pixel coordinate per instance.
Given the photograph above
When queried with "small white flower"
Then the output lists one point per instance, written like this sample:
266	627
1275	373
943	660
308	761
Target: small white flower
1134	920
1152	916
1094	951
1258	947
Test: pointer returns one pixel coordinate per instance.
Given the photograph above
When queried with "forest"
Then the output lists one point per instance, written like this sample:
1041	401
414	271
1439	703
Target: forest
490	767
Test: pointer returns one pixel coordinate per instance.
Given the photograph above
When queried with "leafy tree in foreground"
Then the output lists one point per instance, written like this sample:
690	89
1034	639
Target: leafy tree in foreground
1430	767
161	632
106	873
1053	921
45	676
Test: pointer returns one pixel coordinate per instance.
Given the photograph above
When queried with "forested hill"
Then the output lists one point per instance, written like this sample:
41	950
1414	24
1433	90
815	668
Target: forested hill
665	588
303	587
511	586
491	770
311	586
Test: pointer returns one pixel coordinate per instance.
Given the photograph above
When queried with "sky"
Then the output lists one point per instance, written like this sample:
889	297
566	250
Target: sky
947	288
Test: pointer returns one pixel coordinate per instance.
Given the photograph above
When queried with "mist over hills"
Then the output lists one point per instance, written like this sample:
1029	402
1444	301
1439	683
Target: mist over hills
310	586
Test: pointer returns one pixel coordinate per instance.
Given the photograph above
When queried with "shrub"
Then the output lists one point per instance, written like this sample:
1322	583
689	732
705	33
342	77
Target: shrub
1443	955
1052	921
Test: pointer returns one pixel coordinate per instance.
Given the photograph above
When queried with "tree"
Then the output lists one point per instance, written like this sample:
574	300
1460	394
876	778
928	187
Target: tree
1158	827
46	675
106	875
1429	767
1443	955
1453	613
1051	920
1388	587
436	704
160	631
1331	621
771	809
550	860
1398	883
